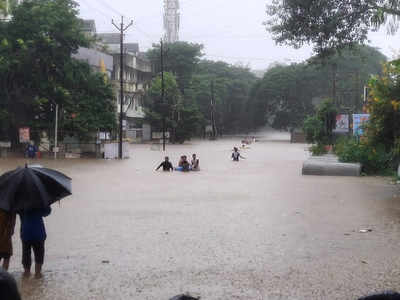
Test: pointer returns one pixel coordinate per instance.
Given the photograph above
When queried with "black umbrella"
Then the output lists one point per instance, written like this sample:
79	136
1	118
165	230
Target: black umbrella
32	187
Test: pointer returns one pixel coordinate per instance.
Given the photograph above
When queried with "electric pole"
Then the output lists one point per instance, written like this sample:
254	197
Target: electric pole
334	82
214	134
122	28
163	104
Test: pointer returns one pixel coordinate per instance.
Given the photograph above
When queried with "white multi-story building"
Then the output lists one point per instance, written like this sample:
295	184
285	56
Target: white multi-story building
171	21
137	77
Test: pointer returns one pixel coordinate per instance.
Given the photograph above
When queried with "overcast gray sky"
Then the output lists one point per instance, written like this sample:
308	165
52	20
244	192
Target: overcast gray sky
231	30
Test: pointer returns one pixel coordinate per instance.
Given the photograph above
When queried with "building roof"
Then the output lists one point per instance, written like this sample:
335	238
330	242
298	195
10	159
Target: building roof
109	38
89	26
131	47
95	58
113	40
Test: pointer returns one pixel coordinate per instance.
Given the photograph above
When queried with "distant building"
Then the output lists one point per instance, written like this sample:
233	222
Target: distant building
171	21
137	77
98	60
113	42
89	27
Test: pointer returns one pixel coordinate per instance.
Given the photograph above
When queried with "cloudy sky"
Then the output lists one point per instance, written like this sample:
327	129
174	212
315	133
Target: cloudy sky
231	30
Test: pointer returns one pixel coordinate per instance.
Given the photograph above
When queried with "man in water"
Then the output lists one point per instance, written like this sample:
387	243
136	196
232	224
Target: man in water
236	154
195	163
166	165
183	164
33	236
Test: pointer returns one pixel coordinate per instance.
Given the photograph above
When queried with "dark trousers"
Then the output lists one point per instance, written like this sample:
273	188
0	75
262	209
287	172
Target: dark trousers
38	250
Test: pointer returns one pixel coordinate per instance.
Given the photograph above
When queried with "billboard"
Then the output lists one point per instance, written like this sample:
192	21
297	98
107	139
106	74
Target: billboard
342	123
24	135
359	120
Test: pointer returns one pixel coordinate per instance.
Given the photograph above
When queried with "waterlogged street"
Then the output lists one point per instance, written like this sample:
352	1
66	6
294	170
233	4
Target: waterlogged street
256	229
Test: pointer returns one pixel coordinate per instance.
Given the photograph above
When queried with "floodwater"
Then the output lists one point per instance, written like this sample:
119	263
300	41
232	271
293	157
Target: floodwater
256	229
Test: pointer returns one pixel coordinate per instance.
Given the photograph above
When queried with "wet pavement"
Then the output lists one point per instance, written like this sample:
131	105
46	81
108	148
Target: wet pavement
256	229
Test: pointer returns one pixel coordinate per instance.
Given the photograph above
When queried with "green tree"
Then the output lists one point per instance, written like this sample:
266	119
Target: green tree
180	59
181	118
36	67
319	128
232	85
329	25
384	107
6	7
288	93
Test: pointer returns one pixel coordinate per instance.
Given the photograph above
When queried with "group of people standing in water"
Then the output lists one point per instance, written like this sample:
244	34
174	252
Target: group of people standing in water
183	165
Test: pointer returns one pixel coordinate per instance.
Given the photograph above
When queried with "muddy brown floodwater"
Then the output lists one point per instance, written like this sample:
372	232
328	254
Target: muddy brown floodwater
256	229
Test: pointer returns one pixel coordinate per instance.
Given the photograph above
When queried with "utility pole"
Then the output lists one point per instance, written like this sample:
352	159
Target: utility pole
163	104
56	134
122	28
334	83
214	134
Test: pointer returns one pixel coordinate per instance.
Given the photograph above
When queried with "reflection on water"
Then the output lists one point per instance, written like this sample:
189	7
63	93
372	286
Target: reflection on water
255	229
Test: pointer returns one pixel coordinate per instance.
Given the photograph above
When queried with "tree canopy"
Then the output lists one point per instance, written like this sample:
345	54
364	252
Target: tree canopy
288	93
231	89
182	118
180	58
194	78
38	71
329	25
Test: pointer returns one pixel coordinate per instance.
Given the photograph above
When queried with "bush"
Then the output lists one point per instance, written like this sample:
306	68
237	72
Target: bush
313	129
396	154
318	129
374	158
318	149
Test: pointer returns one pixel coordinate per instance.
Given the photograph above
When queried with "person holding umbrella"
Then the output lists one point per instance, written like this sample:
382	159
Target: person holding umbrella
33	236
29	192
7	225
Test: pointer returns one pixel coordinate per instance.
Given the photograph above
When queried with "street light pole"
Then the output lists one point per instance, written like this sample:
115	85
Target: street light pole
121	29
214	129
163	91
56	134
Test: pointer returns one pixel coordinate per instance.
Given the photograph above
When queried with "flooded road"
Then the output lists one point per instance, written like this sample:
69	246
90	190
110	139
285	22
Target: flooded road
256	229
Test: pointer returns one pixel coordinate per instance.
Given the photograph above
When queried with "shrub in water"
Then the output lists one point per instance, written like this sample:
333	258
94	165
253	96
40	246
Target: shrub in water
374	158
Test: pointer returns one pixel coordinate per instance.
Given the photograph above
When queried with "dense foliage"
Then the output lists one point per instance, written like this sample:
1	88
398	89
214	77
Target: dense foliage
384	106
230	87
373	158
181	118
37	71
198	81
180	58
319	128
379	149
287	94
329	25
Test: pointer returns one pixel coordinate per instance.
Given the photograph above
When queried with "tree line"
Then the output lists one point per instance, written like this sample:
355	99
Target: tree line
37	72
283	98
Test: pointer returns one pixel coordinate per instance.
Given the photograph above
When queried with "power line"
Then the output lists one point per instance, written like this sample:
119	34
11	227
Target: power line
241	58
105	4
122	28
108	16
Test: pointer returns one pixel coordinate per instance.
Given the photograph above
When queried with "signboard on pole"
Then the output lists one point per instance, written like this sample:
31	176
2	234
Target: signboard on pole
342	123
359	120
24	135
5	144
159	135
